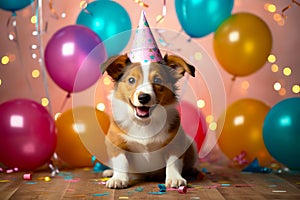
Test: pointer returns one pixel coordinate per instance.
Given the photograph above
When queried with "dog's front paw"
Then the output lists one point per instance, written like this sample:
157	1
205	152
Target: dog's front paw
175	182
117	183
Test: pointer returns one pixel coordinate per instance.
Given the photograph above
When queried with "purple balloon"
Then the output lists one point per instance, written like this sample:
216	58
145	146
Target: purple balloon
73	57
27	134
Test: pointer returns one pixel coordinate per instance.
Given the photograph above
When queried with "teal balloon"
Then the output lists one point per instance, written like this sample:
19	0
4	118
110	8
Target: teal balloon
14	5
199	18
110	21
281	132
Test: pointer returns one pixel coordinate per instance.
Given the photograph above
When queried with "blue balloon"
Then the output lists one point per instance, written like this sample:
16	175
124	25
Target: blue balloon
14	5
110	21
199	18
281	132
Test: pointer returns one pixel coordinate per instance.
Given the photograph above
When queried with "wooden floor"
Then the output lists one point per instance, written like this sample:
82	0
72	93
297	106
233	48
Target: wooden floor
218	183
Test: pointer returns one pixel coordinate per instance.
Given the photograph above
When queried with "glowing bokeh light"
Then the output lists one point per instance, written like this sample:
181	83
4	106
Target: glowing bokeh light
198	55
57	115
201	103
209	119
106	81
100	106
287	71
296	89
272	58
5	60
271	8
274	68
35	73
33	19
277	86
282	92
245	85
44	102
213	126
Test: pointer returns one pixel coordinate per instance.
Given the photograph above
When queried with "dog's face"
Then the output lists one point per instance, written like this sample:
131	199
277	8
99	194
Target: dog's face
142	87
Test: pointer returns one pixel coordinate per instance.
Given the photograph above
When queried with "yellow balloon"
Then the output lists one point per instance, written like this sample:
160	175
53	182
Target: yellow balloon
71	126
242	131
242	44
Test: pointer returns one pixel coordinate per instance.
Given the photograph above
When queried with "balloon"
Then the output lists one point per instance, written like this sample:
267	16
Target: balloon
75	123
14	5
281	132
108	19
193	123
242	44
73	56
242	131
27	134
200	18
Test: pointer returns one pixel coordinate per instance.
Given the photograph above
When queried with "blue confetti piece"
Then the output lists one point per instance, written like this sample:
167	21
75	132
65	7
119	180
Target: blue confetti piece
157	193
162	187
31	183
101	194
139	189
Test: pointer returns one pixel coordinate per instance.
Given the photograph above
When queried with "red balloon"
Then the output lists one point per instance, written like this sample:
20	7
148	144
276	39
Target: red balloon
73	57
27	134
193	123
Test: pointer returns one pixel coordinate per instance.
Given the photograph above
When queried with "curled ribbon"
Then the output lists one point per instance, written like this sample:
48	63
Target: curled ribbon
288	7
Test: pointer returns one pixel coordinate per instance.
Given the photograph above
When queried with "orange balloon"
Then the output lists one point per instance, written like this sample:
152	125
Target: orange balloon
242	44
242	130
73	124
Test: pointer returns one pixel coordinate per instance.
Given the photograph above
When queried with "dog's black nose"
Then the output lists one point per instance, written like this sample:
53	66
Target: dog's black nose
144	98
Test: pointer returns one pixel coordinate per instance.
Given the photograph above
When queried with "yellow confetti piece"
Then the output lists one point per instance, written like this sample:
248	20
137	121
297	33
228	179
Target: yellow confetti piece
123	197
4	181
47	179
104	179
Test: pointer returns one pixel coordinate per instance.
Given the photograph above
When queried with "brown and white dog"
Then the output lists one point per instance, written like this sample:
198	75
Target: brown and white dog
145	136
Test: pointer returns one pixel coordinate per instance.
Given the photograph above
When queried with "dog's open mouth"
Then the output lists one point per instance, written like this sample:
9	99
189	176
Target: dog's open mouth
143	111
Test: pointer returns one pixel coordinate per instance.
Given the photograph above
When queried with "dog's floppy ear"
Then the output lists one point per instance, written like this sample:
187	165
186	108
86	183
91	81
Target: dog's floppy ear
115	65
179	65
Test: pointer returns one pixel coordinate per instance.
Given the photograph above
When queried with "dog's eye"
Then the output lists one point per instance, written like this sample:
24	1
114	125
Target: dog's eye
131	80
157	80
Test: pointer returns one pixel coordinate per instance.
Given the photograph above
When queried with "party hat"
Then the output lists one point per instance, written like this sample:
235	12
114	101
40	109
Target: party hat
144	47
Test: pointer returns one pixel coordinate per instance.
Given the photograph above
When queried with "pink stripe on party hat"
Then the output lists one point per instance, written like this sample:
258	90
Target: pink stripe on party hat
144	47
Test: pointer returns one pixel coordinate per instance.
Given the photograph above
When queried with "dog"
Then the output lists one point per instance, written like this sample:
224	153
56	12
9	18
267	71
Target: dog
145	137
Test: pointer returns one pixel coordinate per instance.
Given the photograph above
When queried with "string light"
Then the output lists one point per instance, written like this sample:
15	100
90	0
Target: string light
277	86
34	46
34	56
287	71
272	58
5	60
201	103
44	102
209	119
282	92
271	8
0	81
213	126
33	19
35	73
63	15
274	68
245	85
100	106
296	89
198	55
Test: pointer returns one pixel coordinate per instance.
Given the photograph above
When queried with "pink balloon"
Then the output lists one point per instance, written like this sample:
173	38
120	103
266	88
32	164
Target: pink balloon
27	134
73	57
193	122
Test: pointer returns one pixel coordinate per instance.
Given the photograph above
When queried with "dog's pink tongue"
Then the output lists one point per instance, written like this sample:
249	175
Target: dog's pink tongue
142	111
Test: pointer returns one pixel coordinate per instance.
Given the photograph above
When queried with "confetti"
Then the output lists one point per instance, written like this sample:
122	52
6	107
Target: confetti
139	189
31	183
182	189
278	191
101	194
27	176
162	187
157	193
123	197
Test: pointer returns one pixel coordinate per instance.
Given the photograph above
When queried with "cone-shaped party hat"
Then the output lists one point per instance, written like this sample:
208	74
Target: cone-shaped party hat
144	47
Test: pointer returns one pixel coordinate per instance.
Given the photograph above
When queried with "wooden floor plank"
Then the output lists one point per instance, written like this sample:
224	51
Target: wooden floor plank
85	184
